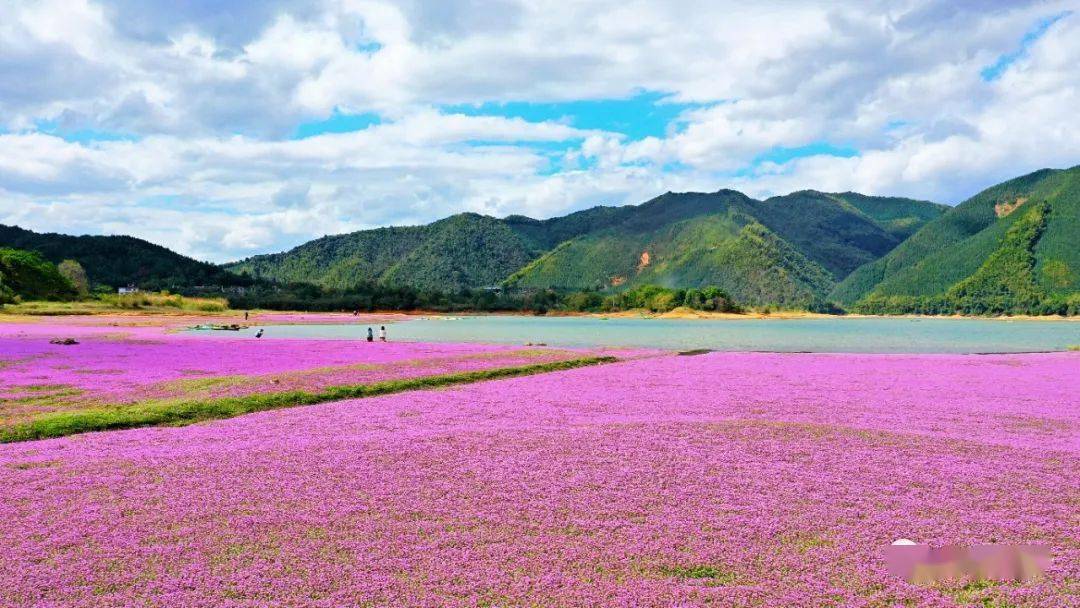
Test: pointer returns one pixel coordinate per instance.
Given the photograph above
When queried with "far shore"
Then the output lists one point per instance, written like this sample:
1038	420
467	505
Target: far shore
277	317
679	313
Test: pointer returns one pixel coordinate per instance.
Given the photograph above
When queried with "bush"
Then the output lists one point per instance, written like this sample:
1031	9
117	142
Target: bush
76	275
582	301
137	301
663	301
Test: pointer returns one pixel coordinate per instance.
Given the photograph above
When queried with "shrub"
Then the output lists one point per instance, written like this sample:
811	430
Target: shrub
662	302
581	301
76	275
137	301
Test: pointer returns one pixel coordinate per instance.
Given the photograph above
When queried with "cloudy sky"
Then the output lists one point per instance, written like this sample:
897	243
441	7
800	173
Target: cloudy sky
223	129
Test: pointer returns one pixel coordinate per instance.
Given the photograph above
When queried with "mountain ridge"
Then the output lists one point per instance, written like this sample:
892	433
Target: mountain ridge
597	248
117	260
1011	248
953	248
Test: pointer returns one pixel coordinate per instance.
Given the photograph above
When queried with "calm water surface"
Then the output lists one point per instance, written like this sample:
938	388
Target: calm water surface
791	335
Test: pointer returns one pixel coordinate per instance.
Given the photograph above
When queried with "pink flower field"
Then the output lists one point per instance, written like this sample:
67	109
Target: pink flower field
125	363
733	479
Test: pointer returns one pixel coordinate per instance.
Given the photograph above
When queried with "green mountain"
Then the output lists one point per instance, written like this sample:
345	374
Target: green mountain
785	250
465	250
755	267
833	232
117	261
462	251
28	275
901	217
1010	248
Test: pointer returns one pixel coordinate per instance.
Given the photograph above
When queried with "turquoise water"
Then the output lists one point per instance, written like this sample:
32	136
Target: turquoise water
896	335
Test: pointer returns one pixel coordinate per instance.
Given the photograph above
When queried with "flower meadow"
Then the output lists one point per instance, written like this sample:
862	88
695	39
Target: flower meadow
725	479
123	364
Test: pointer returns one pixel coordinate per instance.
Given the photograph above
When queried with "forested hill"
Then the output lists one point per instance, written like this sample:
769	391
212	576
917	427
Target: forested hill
467	250
117	261
1014	247
786	250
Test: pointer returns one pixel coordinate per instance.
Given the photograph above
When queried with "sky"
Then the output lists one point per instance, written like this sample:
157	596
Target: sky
225	129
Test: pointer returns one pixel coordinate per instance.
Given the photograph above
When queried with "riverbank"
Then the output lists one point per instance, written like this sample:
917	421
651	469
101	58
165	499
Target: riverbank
810	334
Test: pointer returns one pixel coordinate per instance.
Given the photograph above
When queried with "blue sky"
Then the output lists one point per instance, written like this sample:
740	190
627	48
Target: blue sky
646	113
337	122
995	70
224	137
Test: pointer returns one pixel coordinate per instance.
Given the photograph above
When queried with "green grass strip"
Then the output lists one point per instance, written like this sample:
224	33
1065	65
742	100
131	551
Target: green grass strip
178	412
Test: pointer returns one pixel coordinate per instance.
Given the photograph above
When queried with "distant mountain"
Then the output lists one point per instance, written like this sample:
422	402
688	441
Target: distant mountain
785	250
118	260
755	267
465	250
1005	249
901	217
1014	247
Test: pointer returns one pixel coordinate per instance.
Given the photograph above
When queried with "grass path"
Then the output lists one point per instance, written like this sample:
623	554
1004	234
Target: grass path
179	412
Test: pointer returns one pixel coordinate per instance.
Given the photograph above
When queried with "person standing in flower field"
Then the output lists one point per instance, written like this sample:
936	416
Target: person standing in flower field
382	333
370	335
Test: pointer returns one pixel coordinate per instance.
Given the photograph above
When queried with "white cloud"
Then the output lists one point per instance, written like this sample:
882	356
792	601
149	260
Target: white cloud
231	196
208	97
1024	123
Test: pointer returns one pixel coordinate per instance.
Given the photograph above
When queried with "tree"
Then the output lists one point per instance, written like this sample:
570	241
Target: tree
30	276
7	294
76	274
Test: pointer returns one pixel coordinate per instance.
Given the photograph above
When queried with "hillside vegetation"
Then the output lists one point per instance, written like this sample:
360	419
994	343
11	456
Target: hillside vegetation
756	267
786	250
465	250
28	275
116	261
1013	248
900	217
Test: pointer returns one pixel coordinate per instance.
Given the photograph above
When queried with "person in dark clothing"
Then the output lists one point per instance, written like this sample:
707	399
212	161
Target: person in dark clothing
245	315
370	335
